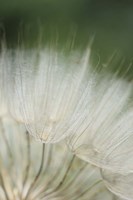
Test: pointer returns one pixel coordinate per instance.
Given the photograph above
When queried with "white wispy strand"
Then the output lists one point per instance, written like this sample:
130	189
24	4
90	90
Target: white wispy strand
59	97
119	184
28	173
46	90
3	103
103	135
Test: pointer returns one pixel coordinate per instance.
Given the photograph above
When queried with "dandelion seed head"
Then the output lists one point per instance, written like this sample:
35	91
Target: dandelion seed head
103	135
57	97
45	90
59	175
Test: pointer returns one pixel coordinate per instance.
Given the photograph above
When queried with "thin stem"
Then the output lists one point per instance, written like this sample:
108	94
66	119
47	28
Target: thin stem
55	177
73	179
88	189
38	173
69	167
27	169
3	186
5	139
62	181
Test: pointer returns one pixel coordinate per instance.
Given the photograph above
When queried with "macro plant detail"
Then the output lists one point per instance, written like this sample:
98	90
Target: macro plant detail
3	104
31	171
103	138
46	91
57	97
119	184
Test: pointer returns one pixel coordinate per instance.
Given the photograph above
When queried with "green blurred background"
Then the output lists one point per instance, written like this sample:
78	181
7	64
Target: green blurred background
109	21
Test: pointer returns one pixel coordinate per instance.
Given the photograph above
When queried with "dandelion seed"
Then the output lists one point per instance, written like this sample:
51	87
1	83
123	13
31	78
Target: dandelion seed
46	91
103	135
56	97
31	171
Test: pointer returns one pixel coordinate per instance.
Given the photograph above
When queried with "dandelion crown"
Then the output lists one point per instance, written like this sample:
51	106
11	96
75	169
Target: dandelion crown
88	114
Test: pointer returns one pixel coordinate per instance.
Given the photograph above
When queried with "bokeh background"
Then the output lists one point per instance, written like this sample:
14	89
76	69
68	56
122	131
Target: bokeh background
110	22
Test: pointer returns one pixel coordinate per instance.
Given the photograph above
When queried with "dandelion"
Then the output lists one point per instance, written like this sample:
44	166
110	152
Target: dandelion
31	171
58	97
45	91
103	135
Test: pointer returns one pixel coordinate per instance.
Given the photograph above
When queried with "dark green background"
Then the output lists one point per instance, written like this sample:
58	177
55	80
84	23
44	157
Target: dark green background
111	21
